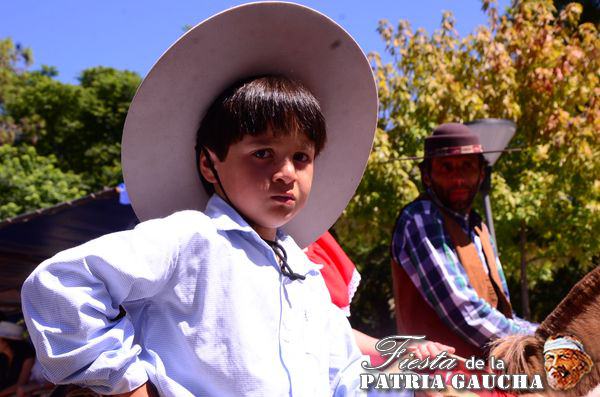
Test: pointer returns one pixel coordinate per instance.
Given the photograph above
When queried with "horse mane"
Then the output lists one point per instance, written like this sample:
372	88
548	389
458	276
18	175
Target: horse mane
577	314
572	306
521	353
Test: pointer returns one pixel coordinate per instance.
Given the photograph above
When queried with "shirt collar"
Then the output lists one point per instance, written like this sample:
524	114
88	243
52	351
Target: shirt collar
301	264
224	216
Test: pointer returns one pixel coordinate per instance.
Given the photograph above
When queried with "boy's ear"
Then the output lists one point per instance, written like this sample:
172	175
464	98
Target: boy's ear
205	167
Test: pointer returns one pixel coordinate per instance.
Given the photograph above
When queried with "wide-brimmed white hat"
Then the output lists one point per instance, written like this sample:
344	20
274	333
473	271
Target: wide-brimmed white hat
10	330
280	38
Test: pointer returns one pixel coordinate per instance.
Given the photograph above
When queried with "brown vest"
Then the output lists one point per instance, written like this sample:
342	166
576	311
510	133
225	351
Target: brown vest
487	284
414	316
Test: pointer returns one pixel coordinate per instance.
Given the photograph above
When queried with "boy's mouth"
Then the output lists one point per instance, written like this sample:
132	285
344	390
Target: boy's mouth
284	198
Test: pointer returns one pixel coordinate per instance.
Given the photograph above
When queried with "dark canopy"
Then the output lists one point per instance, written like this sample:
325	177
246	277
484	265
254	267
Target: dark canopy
28	239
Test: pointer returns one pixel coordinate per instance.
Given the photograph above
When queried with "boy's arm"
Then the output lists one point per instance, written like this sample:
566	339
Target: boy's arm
71	301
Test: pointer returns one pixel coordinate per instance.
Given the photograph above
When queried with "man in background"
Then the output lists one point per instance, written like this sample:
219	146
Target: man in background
448	281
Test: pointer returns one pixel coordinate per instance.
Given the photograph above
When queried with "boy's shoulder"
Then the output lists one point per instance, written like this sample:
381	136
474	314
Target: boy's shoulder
183	217
158	235
193	227
180	222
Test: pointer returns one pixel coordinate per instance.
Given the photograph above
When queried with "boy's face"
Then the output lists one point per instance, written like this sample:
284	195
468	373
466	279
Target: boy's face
267	178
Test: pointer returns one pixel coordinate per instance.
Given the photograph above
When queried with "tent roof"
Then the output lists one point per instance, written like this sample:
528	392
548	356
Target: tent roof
29	239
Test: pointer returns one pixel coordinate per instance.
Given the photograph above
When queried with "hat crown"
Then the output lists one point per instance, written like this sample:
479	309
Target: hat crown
452	139
453	129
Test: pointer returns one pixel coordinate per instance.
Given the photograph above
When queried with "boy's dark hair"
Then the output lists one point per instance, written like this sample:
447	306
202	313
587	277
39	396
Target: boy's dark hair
254	105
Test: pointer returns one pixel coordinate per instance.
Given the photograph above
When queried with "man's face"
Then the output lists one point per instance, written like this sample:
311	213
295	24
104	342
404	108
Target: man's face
564	368
455	180
267	178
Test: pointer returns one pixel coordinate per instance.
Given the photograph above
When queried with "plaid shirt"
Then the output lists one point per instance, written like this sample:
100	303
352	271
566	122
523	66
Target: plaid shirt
423	248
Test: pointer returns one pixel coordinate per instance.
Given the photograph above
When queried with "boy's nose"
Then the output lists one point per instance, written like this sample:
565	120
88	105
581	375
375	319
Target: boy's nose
286	173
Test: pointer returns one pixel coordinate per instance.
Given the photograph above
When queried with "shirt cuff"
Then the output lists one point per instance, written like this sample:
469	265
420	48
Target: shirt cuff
123	381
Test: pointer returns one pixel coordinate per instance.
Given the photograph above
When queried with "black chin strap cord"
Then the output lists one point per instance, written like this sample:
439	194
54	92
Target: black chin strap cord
280	253
211	165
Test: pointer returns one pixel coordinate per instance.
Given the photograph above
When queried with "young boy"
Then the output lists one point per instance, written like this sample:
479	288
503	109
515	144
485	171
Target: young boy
221	302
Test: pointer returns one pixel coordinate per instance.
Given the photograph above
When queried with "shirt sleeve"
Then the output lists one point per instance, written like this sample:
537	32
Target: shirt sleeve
345	357
440	278
71	303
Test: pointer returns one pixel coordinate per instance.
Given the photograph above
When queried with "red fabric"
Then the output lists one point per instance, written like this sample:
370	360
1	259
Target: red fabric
337	267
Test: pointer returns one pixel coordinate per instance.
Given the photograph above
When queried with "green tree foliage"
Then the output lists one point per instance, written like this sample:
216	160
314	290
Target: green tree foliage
80	124
12	59
532	65
71	131
29	181
590	13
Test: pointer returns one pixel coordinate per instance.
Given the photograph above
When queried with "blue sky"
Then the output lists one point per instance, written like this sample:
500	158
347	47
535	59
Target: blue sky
73	35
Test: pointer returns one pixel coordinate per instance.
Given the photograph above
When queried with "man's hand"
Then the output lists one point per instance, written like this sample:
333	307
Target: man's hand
425	348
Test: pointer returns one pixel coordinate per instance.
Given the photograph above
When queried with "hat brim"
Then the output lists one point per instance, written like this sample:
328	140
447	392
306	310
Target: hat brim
158	155
460	154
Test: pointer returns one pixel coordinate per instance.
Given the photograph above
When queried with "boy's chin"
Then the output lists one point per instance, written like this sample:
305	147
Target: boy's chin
268	223
282	221
277	222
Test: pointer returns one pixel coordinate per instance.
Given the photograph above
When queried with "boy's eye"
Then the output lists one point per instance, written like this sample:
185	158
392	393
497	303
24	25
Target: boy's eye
262	153
302	157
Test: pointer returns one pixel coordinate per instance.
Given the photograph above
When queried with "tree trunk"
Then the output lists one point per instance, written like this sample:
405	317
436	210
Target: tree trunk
524	284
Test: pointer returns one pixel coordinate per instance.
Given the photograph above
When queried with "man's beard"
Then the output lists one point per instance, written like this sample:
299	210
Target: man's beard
461	206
